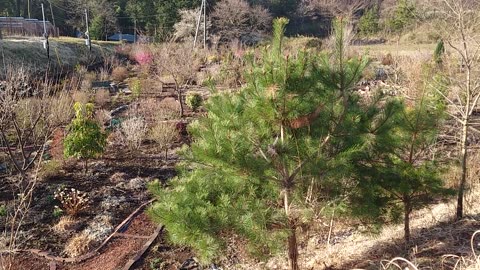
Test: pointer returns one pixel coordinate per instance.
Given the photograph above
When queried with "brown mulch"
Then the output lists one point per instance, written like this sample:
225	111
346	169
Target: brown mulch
112	257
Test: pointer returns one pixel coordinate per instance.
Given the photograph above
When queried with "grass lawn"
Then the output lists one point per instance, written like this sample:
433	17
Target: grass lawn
65	52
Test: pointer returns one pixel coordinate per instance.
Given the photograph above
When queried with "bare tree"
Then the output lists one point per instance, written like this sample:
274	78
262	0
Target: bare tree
177	61
461	20
28	117
336	8
237	19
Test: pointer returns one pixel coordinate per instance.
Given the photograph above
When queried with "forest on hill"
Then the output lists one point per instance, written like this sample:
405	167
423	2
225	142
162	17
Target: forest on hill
157	18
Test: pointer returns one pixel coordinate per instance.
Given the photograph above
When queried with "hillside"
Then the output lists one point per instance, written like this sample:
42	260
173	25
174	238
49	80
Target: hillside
65	53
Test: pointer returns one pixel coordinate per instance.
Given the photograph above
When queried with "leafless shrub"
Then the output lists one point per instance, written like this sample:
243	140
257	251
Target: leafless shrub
103	117
148	109
134	131
73	201
119	74
164	134
25	128
168	109
236	19
102	97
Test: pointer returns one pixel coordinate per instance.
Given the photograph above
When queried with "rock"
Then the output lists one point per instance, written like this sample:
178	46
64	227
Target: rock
118	177
118	110
112	202
190	264
137	183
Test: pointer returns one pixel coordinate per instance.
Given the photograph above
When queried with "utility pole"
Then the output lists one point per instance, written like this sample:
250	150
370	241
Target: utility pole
203	9
45	34
204	24
53	17
28	8
88	42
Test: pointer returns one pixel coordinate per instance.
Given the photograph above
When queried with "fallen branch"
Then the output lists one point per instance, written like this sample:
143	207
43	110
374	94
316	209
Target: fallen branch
140	253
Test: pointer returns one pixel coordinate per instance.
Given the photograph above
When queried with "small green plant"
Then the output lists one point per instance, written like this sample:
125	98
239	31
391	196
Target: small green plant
50	198
194	101
57	212
3	210
73	201
136	88
85	139
156	264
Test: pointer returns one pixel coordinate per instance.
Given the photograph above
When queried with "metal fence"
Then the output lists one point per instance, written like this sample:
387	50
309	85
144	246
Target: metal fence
19	26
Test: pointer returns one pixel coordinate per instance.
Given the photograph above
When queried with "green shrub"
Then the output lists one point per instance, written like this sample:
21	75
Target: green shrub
136	87
85	139
439	52
194	101
3	210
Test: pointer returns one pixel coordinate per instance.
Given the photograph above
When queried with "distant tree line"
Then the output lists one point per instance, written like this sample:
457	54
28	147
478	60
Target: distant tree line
158	18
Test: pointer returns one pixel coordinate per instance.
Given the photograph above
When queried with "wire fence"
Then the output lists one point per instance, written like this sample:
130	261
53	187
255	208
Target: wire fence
19	26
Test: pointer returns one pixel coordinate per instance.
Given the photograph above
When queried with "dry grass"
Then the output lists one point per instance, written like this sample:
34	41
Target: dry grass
81	96
119	74
78	245
433	233
102	97
61	109
65	224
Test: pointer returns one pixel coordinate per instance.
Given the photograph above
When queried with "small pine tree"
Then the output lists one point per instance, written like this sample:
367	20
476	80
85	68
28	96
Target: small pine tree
85	138
368	23
403	16
398	174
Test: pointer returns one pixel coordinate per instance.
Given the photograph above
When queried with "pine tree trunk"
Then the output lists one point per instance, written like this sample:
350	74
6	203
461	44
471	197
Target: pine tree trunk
85	165
292	238
293	247
407	210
